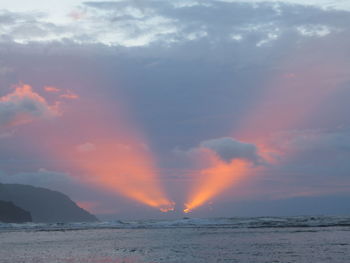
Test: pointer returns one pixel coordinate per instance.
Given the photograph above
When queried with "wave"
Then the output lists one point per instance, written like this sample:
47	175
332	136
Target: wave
235	222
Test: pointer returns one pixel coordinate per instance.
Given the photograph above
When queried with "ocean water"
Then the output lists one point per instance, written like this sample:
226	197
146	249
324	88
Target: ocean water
263	239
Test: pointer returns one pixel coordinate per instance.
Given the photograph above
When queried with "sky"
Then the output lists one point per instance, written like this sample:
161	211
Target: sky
166	109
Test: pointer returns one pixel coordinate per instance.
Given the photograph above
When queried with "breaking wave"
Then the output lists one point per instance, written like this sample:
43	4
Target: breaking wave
236	222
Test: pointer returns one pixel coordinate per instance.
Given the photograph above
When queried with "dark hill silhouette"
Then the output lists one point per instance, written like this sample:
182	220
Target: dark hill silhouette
44	205
9	213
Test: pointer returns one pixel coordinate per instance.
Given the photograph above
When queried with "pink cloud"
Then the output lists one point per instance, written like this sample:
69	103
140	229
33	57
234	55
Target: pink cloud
77	15
69	95
51	89
24	105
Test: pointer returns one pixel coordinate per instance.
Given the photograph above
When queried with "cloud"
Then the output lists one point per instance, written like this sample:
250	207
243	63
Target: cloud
23	105
209	74
140	23
51	89
324	4
25	27
77	15
229	149
225	149
69	95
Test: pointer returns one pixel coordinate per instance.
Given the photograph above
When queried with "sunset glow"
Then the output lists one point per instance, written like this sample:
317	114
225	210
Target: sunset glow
288	101
121	165
112	157
135	107
214	180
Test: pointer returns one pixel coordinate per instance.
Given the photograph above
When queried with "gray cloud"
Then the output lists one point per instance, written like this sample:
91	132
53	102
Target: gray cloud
214	21
140	23
229	149
28	27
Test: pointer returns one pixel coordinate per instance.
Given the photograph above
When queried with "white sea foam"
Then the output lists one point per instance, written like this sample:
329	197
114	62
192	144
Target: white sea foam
252	222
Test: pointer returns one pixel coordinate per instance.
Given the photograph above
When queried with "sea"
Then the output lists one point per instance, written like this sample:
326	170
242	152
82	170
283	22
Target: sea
302	239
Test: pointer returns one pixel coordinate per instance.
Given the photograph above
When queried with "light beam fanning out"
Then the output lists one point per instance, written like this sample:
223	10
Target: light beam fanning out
106	152
215	180
123	165
288	101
